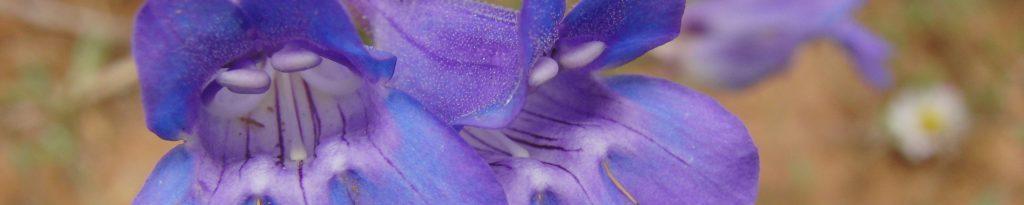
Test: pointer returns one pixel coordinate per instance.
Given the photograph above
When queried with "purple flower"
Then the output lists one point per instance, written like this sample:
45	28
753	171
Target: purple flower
559	133
736	43
279	101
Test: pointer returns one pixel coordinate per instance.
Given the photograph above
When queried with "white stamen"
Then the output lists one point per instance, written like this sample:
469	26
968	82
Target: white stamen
290	116
486	139
294	59
305	118
466	136
332	77
545	69
581	55
511	147
245	81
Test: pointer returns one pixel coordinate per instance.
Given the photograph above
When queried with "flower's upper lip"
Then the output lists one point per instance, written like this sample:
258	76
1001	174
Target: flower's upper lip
490	94
179	46
467	61
628	28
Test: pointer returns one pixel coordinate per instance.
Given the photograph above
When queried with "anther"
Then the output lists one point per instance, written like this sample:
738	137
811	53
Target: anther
294	59
227	103
581	55
245	81
545	69
333	78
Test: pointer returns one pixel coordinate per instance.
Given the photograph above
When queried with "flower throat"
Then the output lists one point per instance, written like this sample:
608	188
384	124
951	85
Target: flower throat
278	105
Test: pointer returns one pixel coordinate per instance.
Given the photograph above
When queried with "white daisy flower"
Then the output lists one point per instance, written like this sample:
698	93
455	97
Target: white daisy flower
927	120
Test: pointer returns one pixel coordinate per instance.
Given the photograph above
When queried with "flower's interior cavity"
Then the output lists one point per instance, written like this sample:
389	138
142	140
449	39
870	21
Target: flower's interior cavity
279	105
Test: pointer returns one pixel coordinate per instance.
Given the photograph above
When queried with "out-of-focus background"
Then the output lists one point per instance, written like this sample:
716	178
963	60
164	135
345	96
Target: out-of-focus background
72	128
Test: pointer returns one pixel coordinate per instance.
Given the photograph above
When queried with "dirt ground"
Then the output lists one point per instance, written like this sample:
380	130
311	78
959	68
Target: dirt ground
72	128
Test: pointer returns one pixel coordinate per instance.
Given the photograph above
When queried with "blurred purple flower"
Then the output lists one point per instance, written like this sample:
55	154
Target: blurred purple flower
736	43
279	101
565	135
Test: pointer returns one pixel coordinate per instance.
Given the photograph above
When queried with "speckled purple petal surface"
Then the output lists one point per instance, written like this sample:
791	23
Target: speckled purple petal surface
180	45
736	43
391	151
466	61
629	28
623	140
538	24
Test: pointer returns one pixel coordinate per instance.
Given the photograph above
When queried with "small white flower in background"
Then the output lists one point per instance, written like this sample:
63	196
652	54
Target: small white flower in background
927	120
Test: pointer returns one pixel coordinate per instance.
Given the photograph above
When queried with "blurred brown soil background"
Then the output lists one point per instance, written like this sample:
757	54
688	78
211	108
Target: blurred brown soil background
72	128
